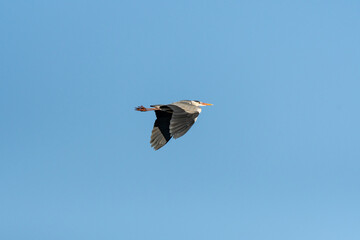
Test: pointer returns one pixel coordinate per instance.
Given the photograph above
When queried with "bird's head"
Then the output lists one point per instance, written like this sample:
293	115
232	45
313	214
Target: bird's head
199	104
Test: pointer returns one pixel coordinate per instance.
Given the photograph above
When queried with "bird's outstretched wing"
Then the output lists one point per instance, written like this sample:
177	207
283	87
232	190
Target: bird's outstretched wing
161	134
183	117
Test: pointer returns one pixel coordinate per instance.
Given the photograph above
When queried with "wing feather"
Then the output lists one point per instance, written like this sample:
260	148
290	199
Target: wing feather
160	134
183	117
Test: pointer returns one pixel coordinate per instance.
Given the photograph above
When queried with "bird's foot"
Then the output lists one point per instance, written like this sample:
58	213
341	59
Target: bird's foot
144	109
141	108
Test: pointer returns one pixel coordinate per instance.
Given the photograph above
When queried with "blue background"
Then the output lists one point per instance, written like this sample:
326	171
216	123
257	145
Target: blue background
276	157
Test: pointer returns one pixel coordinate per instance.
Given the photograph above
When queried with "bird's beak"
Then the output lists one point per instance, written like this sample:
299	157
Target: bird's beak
206	104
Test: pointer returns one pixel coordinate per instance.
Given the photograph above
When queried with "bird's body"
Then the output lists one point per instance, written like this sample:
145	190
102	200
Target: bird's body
172	120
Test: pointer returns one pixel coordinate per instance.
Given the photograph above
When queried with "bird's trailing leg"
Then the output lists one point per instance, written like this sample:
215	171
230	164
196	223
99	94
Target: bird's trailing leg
144	109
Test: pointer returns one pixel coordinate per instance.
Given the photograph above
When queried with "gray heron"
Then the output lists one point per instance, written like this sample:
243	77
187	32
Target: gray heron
172	120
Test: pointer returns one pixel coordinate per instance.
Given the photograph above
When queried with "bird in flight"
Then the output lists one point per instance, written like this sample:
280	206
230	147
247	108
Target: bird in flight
172	120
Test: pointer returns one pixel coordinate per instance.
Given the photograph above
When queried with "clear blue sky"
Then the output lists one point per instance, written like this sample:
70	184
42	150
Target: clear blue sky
276	157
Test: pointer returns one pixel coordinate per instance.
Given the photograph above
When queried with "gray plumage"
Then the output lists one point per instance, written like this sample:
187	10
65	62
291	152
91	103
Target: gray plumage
172	120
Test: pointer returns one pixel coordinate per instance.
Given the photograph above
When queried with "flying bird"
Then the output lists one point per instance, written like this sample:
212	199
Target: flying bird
172	120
